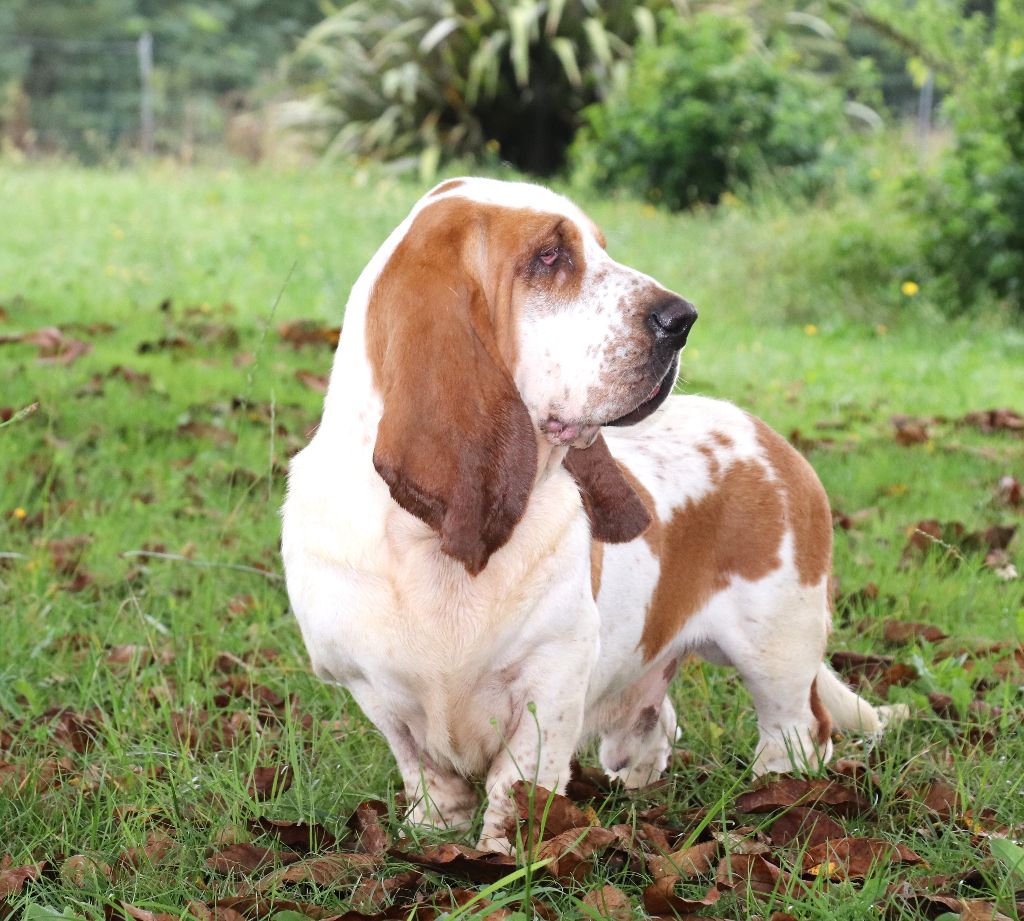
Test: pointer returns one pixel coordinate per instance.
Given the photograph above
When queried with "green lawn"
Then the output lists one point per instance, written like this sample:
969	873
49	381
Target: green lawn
138	693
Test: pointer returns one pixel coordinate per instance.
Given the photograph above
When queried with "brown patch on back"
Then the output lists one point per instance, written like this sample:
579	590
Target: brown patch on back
448	186
596	566
734	530
807	508
821	714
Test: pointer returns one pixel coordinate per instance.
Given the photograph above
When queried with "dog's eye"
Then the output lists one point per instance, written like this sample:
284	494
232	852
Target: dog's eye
549	256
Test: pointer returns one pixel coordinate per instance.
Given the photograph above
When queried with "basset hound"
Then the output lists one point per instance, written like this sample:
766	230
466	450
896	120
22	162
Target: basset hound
501	550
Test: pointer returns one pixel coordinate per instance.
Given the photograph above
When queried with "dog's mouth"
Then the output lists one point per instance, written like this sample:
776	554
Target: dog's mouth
656	397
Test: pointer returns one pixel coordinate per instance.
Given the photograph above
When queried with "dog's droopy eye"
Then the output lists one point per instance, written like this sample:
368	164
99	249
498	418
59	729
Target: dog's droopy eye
549	256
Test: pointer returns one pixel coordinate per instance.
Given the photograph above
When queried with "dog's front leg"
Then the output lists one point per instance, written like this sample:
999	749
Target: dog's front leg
436	795
540	746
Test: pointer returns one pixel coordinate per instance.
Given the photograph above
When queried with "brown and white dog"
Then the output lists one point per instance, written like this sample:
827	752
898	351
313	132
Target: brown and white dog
464	542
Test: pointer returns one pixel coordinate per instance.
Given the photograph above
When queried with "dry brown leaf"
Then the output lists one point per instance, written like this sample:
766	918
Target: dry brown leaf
660	898
309	332
609	902
297	836
81	871
270	781
244	858
994	420
144	914
803	827
372	893
157	846
532	803
459	860
572	850
365	824
312	380
327	870
13	879
792	791
853	858
910	430
1009	491
686	862
753	872
901	632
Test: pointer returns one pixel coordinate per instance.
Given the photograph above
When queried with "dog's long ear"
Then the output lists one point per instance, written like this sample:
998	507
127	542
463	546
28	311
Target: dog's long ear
455	443
617	514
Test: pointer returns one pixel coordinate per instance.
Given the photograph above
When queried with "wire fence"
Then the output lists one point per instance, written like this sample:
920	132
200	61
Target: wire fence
95	99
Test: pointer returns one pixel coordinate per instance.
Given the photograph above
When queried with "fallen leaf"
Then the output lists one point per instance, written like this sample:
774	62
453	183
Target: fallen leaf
803	827
688	861
853	858
312	380
660	898
609	902
901	632
144	914
309	332
13	879
245	858
80	871
373	893
940	798
297	836
156	847
910	430
782	794
993	420
270	781
370	836
753	871
572	850
459	860
1009	491
549	814
327	870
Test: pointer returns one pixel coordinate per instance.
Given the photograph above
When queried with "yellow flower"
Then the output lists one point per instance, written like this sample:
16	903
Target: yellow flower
910	288
811	329
20	513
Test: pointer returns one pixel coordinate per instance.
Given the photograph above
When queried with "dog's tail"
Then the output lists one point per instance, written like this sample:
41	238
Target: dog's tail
852	712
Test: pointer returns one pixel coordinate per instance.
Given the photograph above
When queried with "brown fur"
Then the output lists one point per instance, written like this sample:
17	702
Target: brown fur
821	715
455	443
735	530
596	566
617	514
807	509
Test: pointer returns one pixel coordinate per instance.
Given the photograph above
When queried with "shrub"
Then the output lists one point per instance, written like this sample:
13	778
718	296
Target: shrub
705	112
421	79
972	207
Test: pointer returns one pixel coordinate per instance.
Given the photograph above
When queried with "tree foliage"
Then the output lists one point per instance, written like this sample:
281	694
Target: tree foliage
705	112
418	78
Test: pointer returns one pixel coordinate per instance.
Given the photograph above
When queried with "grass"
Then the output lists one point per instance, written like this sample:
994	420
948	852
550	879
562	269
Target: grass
189	462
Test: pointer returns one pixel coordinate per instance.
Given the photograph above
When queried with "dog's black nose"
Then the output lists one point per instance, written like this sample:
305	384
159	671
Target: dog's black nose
671	319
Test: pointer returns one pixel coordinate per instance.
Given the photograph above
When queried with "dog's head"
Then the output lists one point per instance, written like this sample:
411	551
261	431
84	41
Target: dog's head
498	319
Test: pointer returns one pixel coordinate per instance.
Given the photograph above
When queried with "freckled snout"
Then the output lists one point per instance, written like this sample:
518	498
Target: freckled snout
671	321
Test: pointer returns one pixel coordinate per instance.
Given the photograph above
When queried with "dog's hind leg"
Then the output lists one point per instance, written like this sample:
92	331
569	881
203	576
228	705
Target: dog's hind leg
637	746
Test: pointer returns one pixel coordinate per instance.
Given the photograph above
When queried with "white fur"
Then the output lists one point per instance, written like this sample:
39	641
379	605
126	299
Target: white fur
448	666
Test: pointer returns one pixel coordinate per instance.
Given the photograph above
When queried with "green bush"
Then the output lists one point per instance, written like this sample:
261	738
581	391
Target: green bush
706	112
972	207
394	79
